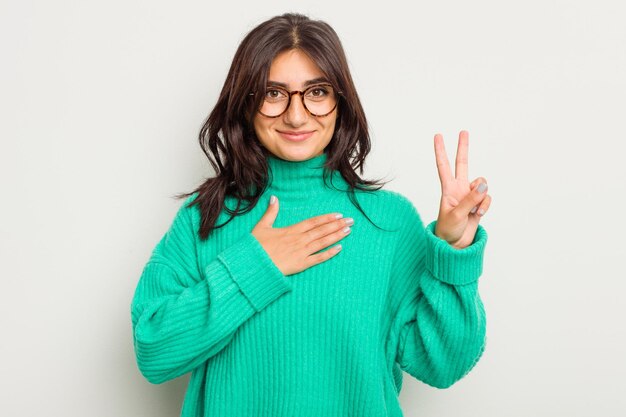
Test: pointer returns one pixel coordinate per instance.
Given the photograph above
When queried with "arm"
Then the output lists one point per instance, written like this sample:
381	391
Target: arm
441	322
183	314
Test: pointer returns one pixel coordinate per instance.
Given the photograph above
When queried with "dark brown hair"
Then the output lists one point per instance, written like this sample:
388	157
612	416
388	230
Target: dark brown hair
228	138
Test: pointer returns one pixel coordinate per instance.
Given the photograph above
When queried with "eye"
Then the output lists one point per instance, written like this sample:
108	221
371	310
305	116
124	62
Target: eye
318	92
274	94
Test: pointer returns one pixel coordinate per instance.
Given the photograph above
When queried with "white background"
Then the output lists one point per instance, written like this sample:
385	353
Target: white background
101	105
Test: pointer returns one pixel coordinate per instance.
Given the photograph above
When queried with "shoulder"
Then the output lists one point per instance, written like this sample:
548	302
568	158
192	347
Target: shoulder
191	198
187	213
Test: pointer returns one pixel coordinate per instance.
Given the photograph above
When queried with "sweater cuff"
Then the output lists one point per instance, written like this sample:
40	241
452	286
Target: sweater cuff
250	266
451	265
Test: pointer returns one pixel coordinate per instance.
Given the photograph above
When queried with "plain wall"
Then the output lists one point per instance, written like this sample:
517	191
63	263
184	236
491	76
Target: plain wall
101	106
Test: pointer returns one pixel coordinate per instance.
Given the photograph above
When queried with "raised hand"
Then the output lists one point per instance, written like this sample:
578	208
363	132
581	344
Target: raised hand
291	247
462	203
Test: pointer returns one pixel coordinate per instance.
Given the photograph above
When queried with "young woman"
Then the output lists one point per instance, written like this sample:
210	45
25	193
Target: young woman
289	286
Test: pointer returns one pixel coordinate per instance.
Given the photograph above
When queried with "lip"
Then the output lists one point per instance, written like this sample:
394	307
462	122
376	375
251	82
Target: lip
296	136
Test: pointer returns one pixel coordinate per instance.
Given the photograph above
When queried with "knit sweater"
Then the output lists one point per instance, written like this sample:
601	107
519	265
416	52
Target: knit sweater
331	340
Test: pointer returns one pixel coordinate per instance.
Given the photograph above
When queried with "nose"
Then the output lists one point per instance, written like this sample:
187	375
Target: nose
296	114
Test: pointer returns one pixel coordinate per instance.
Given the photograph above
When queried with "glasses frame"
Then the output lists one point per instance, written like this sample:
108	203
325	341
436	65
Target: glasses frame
290	94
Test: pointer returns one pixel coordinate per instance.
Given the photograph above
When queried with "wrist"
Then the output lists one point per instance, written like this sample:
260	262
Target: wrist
454	243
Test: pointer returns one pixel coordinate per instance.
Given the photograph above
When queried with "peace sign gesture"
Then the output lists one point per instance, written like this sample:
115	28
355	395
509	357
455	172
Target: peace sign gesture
462	203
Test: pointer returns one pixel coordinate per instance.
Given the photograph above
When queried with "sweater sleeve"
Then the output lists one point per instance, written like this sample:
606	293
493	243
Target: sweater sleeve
441	320
184	313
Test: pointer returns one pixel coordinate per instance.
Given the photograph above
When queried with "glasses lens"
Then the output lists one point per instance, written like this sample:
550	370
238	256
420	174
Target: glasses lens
319	99
275	101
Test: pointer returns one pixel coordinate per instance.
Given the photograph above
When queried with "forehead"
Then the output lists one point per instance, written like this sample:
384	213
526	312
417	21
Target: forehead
293	68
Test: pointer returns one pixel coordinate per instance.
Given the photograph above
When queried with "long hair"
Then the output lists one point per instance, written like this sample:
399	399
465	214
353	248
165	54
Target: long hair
227	136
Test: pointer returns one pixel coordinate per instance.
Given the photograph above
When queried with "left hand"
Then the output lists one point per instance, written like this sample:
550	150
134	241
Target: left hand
456	223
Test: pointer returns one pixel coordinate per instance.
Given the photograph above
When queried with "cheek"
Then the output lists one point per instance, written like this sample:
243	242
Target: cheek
330	125
263	129
259	126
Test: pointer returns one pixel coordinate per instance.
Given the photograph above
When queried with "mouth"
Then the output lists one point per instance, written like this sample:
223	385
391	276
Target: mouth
296	136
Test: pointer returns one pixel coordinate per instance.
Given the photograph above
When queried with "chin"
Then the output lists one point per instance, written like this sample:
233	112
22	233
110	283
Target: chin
298	154
294	151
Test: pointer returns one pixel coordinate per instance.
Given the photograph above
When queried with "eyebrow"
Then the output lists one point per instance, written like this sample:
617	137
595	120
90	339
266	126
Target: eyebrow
306	83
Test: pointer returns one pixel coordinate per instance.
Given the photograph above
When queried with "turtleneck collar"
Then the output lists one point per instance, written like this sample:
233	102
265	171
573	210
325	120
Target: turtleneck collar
300	180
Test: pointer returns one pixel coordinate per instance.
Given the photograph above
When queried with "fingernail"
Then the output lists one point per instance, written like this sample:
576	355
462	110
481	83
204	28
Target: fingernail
338	216
481	212
474	209
482	187
272	199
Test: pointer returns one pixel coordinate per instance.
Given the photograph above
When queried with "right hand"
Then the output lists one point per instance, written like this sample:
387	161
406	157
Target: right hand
290	247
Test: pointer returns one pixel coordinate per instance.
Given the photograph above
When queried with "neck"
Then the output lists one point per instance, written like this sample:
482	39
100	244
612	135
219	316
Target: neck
301	180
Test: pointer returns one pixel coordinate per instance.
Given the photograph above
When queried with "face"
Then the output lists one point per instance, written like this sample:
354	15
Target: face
294	68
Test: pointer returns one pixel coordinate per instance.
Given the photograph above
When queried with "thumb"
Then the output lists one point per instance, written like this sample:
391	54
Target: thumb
474	198
270	214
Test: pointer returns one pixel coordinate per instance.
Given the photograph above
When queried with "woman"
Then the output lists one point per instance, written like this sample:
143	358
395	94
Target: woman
250	290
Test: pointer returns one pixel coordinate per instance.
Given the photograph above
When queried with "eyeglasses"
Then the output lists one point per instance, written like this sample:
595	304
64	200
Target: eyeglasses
319	100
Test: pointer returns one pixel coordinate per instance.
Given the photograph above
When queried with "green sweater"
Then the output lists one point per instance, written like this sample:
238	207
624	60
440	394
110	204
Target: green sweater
329	341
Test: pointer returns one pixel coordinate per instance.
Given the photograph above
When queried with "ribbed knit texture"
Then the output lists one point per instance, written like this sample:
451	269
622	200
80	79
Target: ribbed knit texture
329	341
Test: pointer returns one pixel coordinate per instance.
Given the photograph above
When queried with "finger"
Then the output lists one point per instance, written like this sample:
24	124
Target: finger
473	198
473	221
271	212
328	228
313	222
481	208
461	156
322	256
325	241
484	206
441	158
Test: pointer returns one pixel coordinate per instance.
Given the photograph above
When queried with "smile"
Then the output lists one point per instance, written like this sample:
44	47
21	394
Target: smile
296	136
